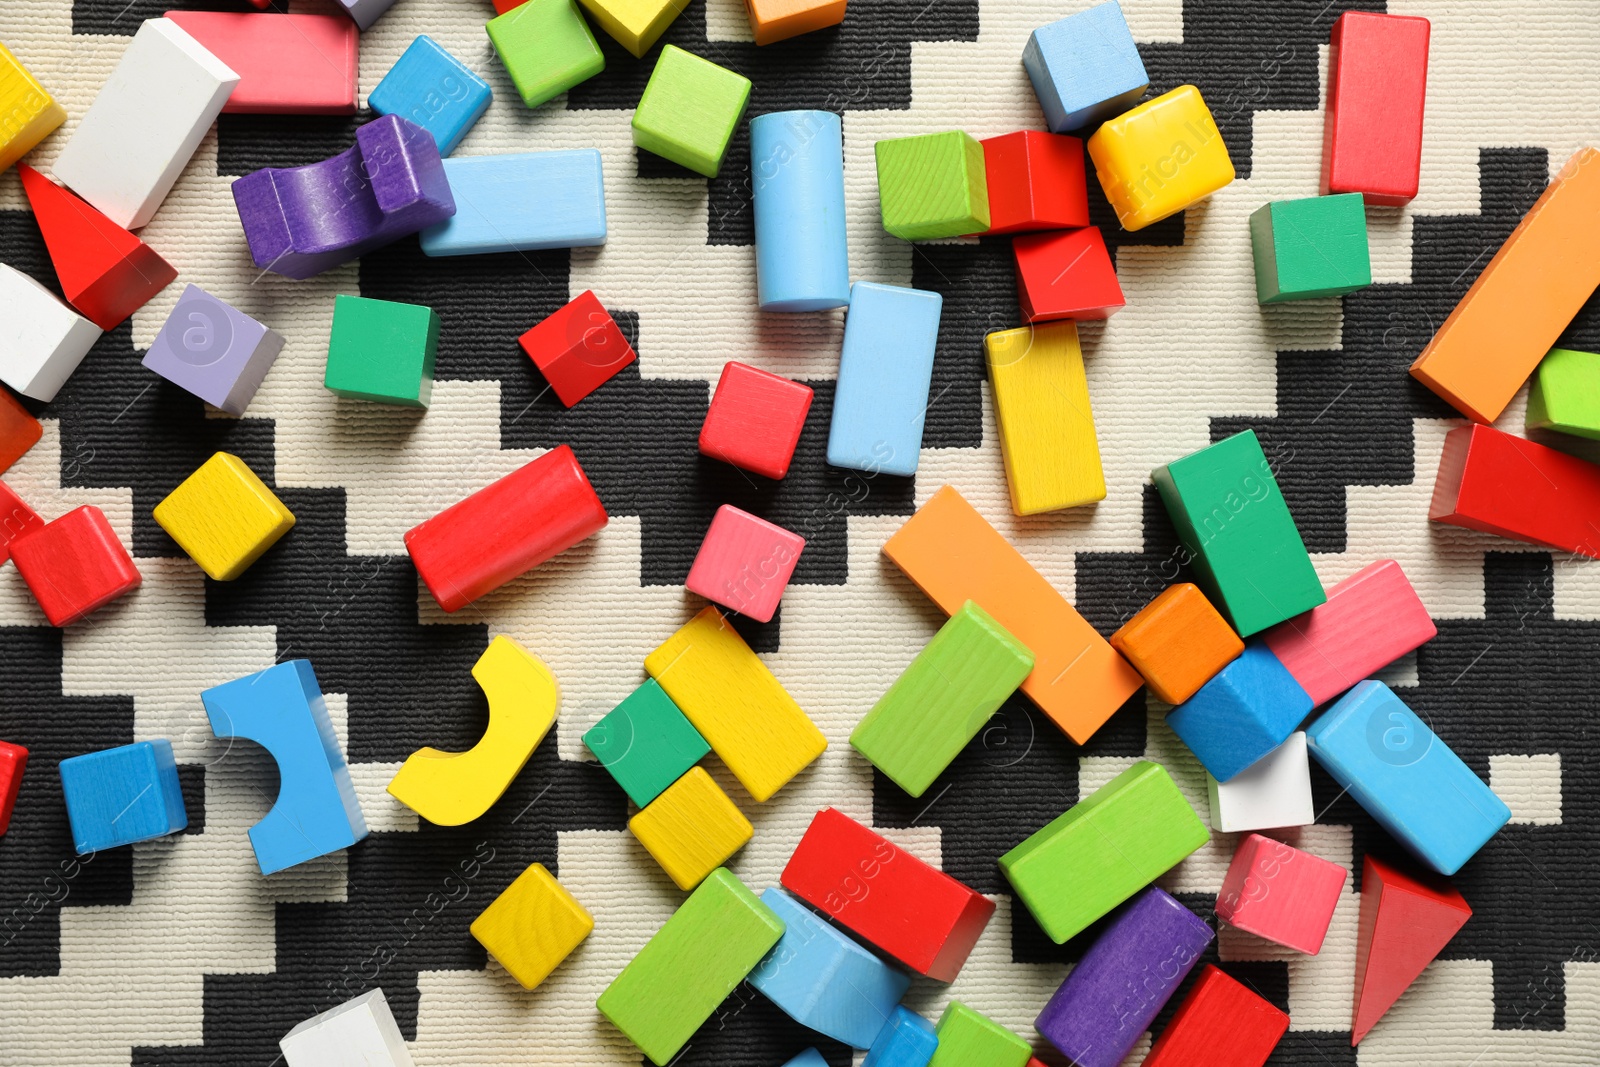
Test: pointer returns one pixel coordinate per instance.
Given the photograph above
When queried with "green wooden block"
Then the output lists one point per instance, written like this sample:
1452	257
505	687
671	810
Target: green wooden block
932	186
546	47
968	1039
382	351
646	743
941	701
1565	395
1309	248
690	966
689	110
1237	528
1103	850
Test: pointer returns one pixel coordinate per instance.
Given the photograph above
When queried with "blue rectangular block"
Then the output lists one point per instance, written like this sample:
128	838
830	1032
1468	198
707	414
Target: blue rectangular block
521	202
1085	68
435	90
121	795
797	167
1405	777
885	369
907	1040
1245	711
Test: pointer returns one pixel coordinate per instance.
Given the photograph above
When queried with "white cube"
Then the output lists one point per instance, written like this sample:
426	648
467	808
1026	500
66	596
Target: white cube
42	340
1274	791
358	1033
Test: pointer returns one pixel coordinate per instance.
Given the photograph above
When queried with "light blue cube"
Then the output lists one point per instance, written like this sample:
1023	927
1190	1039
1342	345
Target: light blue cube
907	1040
885	371
435	90
122	795
1246	710
797	175
1085	68
521	201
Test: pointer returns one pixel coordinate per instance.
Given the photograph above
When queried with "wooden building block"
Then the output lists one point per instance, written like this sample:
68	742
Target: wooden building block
635	24
1406	777
365	12
1163	156
970	1039
1248	709
1221	1023
546	48
13	761
1377	89
1066	275
1273	792
646	743
1565	394
778	20
1178	642
690	966
692	828
932	185
745	563
42	341
520	202
505	529
16	519
1041	403
880	399
802	260
809	1058
435	90
139	133
224	517
361	1032
452	788
118	796
755	419
954	555
1234	522
689	110
942	699
1085	68
1487	482
1103	850
19	431
282	710
578	348
1280	893
906	1040
1312	247
743	712
883	894
287	64
31	113
1035	182
213	350
74	565
1407	918
381	350
532	926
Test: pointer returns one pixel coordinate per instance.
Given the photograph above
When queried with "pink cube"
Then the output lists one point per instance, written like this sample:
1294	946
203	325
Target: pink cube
1281	893
745	563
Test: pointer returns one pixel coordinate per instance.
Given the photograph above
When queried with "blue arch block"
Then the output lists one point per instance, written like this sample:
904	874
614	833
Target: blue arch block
121	795
797	170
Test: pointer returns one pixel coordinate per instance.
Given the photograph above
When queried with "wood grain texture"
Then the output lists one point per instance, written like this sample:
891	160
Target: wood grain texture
1281	893
521	202
287	64
970	1039
1085	68
1407	918
1178	642
224	517
1495	482
1312	247
755	419
438	92
932	185
120	796
1041	403
1221	1023
689	110
635	24
532	926
1246	710
546	48
16	518
744	563
646	743
692	828
74	565
1377	93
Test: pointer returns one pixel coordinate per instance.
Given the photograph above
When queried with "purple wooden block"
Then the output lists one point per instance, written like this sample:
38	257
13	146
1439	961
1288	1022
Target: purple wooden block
1112	995
213	350
300	221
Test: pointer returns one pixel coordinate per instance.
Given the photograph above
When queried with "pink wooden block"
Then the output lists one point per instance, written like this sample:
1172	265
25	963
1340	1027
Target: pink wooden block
745	563
1280	893
1371	619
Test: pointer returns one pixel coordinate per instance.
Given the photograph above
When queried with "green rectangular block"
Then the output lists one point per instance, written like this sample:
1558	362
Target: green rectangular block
1237	528
1309	248
932	186
1565	394
969	1039
690	966
1103	850
689	110
646	743
941	701
546	47
383	351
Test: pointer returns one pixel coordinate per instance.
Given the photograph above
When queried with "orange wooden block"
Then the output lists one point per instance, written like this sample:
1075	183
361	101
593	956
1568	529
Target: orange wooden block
777	20
1178	641
19	431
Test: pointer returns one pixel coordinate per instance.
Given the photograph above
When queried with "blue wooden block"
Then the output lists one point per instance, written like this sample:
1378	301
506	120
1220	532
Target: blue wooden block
797	166
1407	779
885	368
435	90
520	202
907	1040
1085	68
822	979
1248	709
282	710
809	1058
121	795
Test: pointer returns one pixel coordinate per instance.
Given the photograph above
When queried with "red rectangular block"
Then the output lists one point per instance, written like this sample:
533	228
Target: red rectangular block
13	761
74	565
1036	182
19	431
287	64
1066	276
1221	1023
1506	485
578	348
1377	86
16	519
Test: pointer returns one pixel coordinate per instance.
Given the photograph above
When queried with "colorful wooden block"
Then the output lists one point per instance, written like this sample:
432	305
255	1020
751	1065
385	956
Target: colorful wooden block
692	828
361	1031
282	710
578	348
381	350
880	399
31	114
635	24
970	1039
1377	89
453	788
213	350
1407	918
141	130
646	743
809	1058
1565	394
954	555
1487	482
74	565
1163	156
1406	777
1085	68
1035	182
689	110
521	201
546	48
532	926
1273	792
745	563
505	529
16	519
1041	403
42	341
932	185
906	1040
1312	247
365	12
778	20
19	431
1066	276
751	722
1248	709
435	90
1103	850
224	517
1178	642
1221	1023
941	701
120	796
287	64
13	761
797	161
883	894
755	419
690	966
1280	893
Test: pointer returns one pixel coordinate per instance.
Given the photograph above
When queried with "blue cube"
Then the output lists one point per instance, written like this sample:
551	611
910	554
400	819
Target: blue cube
521	201
906	1040
1085	68
809	1058
435	90
122	795
1248	709
885	370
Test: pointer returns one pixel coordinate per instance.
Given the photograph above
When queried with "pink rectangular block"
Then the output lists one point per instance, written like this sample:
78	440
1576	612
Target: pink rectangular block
1281	893
287	64
745	563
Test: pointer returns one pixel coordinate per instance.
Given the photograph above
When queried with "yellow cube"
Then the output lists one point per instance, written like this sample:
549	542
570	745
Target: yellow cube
27	113
1161	157
635	24
691	828
1041	401
532	926
224	516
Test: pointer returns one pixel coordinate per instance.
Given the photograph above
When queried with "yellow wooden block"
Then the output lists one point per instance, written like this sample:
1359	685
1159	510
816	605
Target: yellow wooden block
27	113
1160	158
451	788
1041	401
635	24
750	721
532	926
691	828
224	516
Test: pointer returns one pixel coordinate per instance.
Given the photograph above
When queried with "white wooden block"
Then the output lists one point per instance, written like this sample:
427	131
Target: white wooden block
42	340
361	1032
1273	792
141	130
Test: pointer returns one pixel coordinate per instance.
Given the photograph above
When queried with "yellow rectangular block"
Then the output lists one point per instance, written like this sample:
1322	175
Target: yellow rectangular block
635	24
1041	401
224	516
532	926
691	828
1161	157
748	718
28	114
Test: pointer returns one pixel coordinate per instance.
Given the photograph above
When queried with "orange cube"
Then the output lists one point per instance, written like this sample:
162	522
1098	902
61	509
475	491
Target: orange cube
1178	642
777	20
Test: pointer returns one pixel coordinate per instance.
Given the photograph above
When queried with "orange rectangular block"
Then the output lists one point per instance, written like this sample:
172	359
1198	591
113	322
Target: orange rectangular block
954	555
1178	641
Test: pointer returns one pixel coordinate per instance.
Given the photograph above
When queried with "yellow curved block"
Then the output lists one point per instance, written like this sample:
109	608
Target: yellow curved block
451	788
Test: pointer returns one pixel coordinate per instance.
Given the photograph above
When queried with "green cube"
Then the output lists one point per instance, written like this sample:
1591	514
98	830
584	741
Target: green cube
1240	536
646	743
689	110
932	186
968	1039
1309	248
546	47
1565	395
381	350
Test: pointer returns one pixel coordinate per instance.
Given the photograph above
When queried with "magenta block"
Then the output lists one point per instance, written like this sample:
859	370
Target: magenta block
1278	892
213	350
745	563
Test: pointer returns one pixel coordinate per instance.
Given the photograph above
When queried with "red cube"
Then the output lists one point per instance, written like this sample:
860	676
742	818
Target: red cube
755	420
74	565
13	761
1066	276
16	519
578	349
19	431
1036	182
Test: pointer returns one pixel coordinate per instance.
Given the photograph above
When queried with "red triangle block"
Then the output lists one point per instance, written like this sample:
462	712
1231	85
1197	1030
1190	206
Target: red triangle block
1406	921
1066	275
106	272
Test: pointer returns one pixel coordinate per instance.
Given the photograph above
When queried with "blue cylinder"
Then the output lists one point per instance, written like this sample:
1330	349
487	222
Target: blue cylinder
797	174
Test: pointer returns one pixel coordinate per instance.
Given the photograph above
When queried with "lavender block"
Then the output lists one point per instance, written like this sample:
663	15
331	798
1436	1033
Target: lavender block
213	350
1124	979
365	12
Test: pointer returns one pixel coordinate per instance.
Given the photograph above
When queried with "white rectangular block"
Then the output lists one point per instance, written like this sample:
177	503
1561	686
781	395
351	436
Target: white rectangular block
361	1032
1273	792
42	340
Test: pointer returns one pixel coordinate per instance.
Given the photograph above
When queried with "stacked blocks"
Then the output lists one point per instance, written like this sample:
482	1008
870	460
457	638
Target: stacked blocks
932	186
1280	893
1310	248
906	1040
532	926
880	399
635	24
744	563
224	517
691	829
1221	1023
1487	481
520	202
1163	156
1377	91
1178	642
967	1039
1273	792
381	350
778	20
436	91
1565	395
287	65
578	348
1085	68
19	431
42	341
213	350
360	1031
1406	921
797	161
755	419
1248	709
74	565
13	761
1041	402
31	114
1066	275
16	519
122	795
1035	182
689	110
646	743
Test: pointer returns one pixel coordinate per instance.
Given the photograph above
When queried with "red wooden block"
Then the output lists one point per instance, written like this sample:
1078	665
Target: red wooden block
19	431
74	565
287	64
1506	485
505	529
1221	1023
755	420
920	916
13	761
502	6
1377	86
1066	276
1406	921
106	272
744	563
1036	182
16	518
578	349
1281	893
